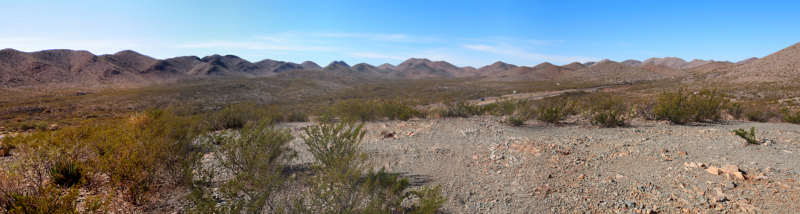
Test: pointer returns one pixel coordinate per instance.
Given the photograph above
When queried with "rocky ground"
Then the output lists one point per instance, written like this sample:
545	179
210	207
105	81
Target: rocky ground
647	167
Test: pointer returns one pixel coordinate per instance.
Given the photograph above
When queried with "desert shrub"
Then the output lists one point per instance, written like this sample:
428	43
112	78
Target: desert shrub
344	181
398	109
232	117
606	110
5	147
48	199
515	120
236	116
679	107
461	109
255	155
644	109
555	110
297	116
750	137
356	109
735	109
760	113
790	117
430	200
66	173
707	105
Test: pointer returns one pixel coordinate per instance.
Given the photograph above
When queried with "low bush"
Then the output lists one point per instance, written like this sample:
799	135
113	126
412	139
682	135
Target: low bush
680	108
461	109
66	173
48	199
515	120
401	110
790	117
344	181
749	137
255	155
555	110
606	110
735	109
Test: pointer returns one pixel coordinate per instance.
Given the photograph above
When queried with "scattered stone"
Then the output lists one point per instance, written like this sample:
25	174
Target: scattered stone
681	153
729	168
714	170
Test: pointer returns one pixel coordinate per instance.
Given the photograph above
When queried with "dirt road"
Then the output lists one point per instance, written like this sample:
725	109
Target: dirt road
535	95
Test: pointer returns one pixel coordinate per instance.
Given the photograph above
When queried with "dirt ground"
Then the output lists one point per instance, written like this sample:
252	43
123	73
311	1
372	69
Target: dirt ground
647	167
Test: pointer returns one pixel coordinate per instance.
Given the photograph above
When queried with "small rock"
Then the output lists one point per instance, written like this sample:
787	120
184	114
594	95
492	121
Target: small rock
681	153
729	168
714	170
720	198
475	157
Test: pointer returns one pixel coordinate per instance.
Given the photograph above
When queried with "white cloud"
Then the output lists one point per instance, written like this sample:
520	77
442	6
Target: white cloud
512	51
376	55
256	45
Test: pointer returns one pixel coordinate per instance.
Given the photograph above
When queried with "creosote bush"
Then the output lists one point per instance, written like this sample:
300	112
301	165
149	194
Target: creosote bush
606	110
255	155
680	108
790	117
369	110
555	110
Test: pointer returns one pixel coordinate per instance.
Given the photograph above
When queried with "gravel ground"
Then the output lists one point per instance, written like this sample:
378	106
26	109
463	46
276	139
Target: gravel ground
648	167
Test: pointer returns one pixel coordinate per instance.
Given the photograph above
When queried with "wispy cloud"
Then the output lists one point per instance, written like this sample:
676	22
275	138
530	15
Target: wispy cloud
256	45
515	52
650	53
546	42
399	37
376	55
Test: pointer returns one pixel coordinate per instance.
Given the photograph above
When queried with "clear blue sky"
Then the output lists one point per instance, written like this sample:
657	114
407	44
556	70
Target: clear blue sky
465	33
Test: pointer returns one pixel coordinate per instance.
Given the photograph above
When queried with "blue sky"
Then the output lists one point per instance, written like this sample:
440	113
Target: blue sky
465	33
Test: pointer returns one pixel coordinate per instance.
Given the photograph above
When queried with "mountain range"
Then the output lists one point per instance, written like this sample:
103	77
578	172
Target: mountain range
130	69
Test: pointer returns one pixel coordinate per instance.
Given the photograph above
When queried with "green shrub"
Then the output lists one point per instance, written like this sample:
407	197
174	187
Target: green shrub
556	110
610	118
735	109
344	180
48	199
255	155
355	109
297	116
679	107
401	110
606	110
460	109
789	117
750	137
430	200
66	173
515	120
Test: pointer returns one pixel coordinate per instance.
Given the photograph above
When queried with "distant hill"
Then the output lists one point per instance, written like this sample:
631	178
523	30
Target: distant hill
675	62
492	69
709	67
610	72
632	63
747	60
339	63
663	69
574	66
125	68
775	70
309	65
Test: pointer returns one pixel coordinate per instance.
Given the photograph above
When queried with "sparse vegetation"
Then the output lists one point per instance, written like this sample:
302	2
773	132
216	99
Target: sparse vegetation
680	108
790	117
749	137
556	110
